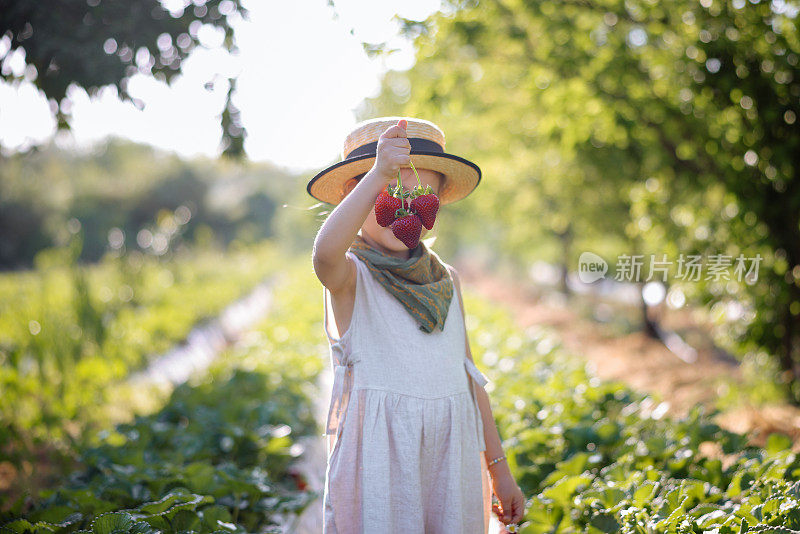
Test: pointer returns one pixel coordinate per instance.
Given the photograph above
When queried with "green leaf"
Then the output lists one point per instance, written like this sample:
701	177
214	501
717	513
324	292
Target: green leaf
112	523
605	523
185	520
740	482
674	517
563	490
777	442
644	494
214	515
23	525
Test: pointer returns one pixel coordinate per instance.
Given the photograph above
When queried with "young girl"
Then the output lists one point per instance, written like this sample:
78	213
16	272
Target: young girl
409	417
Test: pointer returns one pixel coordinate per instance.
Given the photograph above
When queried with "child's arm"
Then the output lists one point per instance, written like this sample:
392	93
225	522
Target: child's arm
511	497
494	447
340	228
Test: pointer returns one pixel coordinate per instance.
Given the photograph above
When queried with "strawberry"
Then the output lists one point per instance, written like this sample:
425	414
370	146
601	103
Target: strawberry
407	228
426	205
386	205
299	480
406	223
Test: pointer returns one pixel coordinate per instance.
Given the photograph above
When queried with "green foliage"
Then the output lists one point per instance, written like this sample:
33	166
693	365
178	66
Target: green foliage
218	455
591	456
96	44
626	127
70	333
594	456
122	189
229	439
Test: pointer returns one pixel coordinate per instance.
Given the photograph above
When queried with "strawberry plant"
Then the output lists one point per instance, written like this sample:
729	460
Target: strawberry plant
70	334
590	455
218	456
595	456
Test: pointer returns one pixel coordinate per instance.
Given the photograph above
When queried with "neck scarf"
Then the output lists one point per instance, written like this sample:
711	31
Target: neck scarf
421	283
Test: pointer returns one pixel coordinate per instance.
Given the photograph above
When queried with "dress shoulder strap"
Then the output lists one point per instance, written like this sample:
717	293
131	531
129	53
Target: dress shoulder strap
360	287
325	313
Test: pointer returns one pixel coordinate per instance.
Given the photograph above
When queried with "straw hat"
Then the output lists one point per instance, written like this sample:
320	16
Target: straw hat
427	152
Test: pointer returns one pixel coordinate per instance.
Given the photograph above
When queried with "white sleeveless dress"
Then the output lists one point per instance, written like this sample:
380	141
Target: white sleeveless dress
404	428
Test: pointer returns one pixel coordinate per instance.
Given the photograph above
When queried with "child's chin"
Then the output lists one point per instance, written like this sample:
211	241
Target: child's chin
395	244
392	243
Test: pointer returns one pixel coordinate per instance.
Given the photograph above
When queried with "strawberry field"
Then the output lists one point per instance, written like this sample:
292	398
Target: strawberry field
70	334
629	166
595	456
217	453
215	456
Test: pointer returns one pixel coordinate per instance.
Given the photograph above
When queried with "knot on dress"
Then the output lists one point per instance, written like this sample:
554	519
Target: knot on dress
475	372
342	385
480	379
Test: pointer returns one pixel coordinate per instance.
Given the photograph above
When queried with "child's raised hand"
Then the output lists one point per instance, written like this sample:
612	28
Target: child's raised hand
393	151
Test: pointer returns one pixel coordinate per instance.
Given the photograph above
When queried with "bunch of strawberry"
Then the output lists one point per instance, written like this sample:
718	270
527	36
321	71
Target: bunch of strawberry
406	224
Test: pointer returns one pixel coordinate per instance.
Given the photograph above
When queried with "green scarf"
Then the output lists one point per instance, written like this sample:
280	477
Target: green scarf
421	283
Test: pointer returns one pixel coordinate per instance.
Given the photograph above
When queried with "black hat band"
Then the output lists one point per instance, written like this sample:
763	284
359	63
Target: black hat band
418	144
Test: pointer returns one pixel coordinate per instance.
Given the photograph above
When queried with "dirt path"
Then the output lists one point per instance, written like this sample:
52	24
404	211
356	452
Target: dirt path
637	360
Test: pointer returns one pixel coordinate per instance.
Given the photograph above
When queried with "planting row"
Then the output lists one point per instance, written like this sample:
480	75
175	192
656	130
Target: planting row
594	456
218	456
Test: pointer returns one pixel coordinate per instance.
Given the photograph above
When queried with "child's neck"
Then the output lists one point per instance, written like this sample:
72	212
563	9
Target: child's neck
402	254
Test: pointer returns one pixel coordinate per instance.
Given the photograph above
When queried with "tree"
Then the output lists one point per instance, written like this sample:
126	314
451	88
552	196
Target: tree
98	43
688	110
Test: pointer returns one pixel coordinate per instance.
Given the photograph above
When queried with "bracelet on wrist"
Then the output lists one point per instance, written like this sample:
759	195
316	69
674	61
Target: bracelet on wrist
495	460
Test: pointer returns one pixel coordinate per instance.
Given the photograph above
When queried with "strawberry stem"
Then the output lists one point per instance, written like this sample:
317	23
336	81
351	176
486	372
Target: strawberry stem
400	189
419	190
419	183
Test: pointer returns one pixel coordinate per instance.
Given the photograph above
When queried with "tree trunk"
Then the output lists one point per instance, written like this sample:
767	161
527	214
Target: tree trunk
648	325
566	249
789	349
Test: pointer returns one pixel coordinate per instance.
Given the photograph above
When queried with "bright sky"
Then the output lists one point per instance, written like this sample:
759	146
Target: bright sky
301	76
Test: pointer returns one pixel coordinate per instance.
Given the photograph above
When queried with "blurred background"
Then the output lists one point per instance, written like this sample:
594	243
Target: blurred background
162	359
